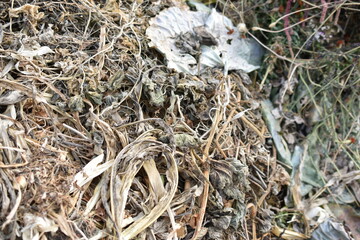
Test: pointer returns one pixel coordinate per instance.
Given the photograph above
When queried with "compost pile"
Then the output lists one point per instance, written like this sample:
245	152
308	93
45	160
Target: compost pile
101	139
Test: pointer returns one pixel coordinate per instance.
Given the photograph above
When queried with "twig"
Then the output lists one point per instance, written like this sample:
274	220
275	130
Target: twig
288	31
205	194
75	131
324	10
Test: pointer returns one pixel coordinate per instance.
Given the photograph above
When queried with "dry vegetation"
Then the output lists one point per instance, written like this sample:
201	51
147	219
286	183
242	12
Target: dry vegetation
100	140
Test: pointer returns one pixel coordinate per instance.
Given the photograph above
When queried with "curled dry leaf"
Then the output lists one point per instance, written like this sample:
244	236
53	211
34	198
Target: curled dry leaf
89	172
35	226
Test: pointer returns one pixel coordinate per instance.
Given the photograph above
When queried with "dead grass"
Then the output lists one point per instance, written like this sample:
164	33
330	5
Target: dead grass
99	140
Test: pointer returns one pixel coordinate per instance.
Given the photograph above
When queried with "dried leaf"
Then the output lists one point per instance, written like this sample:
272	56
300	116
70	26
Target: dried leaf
173	25
35	226
89	172
26	52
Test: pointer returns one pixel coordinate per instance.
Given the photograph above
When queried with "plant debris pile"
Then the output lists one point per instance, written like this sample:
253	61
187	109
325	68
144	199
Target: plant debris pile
105	137
99	139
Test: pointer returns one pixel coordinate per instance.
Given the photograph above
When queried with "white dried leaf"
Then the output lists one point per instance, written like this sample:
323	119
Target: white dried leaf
6	123
35	226
90	171
7	68
231	52
48	34
11	97
33	53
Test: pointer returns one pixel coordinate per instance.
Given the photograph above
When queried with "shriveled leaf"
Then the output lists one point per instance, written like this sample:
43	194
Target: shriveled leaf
76	104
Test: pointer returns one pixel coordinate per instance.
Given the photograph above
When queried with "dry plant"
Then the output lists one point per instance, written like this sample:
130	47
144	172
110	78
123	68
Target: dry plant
99	140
